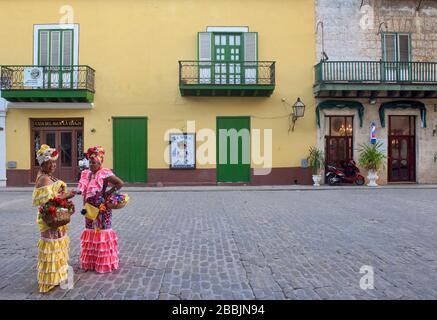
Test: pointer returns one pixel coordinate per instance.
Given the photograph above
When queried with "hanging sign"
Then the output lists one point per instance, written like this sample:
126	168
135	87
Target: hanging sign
373	133
182	151
33	77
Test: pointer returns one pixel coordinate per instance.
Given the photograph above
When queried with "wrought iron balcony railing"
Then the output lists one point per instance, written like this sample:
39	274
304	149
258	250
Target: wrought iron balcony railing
72	77
375	72
227	73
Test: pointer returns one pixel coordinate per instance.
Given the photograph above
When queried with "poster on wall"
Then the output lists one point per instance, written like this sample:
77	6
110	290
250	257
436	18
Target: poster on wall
33	77
182	151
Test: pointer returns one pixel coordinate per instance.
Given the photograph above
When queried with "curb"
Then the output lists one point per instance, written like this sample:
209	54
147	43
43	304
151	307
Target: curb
251	188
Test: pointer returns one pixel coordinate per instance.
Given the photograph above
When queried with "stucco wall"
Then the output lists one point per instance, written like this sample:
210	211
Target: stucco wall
135	45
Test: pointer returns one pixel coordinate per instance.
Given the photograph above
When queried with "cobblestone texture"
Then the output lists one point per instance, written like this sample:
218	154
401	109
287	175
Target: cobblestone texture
243	245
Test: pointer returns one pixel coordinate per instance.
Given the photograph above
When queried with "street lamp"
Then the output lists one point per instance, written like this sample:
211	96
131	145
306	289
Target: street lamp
298	112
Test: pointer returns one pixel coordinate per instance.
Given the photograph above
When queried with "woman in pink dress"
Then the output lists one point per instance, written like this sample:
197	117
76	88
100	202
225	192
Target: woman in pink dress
99	248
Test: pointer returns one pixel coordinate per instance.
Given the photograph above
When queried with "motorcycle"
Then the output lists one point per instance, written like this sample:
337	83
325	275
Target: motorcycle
348	173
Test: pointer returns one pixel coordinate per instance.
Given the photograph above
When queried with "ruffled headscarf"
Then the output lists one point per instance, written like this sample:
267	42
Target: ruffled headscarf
96	152
45	153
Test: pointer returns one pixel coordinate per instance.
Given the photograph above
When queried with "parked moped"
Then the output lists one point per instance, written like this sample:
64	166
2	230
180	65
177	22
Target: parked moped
347	173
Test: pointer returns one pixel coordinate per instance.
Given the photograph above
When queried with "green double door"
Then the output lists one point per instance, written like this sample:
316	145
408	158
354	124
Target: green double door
228	56
233	149
130	148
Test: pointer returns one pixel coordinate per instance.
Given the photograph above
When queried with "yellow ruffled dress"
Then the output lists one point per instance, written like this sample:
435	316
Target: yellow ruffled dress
53	246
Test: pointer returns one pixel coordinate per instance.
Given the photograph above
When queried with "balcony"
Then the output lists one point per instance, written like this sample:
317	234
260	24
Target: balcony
47	83
372	79
227	79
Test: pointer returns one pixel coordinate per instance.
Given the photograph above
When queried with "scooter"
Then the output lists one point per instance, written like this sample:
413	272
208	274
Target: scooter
348	173
83	165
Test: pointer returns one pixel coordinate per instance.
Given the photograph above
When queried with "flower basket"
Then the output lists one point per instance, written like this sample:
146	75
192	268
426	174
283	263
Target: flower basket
56	212
117	201
116	206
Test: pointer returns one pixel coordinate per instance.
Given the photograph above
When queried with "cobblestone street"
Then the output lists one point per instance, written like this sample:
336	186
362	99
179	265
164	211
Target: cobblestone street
236	244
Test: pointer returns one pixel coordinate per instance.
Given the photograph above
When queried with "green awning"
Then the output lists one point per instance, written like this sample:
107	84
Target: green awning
403	105
331	104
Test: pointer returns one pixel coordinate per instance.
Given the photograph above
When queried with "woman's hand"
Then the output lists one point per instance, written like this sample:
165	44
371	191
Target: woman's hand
68	195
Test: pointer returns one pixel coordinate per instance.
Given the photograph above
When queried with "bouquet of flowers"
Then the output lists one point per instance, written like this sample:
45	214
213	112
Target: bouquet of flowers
117	200
56	212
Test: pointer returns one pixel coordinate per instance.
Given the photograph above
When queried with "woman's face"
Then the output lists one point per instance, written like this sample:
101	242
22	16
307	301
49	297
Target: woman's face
94	165
49	166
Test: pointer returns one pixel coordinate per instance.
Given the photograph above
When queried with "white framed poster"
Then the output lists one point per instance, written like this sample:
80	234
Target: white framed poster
182	151
33	77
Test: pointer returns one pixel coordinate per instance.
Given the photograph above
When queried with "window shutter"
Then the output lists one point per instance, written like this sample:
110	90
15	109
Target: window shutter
204	54
250	46
250	57
44	48
55	48
390	47
404	47
67	37
204	46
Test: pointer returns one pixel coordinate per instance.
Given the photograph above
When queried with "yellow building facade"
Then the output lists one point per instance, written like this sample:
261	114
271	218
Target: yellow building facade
128	75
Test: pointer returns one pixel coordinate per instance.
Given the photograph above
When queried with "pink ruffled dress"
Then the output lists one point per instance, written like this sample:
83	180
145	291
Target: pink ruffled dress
99	247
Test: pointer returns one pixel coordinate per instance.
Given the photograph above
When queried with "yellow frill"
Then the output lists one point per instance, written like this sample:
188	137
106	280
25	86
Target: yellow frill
52	262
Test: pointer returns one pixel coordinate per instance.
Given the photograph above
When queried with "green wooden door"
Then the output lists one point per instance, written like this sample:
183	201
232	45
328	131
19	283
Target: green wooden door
130	148
233	149
228	48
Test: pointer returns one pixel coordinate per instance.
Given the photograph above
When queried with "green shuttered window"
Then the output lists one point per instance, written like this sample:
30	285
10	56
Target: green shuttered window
228	57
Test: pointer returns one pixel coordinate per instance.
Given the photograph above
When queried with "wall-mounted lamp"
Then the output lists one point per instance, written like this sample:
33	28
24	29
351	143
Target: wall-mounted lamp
298	111
380	25
323	54
93	130
372	101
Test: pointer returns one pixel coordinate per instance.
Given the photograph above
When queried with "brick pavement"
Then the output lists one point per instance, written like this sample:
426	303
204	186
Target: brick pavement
243	245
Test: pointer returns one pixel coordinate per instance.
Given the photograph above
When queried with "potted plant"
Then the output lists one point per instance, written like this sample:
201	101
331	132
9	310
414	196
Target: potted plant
371	159
316	162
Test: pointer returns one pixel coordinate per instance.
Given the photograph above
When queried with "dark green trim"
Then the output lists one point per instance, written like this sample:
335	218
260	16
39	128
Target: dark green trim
403	105
48	95
331	104
227	87
223	91
373	87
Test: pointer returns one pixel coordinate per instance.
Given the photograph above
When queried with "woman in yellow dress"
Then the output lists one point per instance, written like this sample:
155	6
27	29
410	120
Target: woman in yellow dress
53	246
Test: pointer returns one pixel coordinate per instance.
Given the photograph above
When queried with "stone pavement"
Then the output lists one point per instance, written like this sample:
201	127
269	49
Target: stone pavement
212	243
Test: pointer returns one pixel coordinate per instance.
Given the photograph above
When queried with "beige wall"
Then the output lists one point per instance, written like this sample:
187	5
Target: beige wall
135	45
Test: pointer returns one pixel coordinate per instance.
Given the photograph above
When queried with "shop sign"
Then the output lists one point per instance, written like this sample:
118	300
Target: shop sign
58	123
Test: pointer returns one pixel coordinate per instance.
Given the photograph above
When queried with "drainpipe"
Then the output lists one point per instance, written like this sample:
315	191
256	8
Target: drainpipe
3	110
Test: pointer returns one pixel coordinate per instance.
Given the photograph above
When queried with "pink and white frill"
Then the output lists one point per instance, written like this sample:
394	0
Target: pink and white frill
99	250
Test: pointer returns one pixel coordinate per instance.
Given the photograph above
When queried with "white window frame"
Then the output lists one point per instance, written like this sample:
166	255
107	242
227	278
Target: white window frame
74	27
227	29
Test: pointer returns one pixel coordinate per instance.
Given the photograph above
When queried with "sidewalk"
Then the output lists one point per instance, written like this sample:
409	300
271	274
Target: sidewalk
250	188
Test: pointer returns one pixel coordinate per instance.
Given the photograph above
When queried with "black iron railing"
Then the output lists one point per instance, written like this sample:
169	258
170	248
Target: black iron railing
77	77
376	71
226	73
